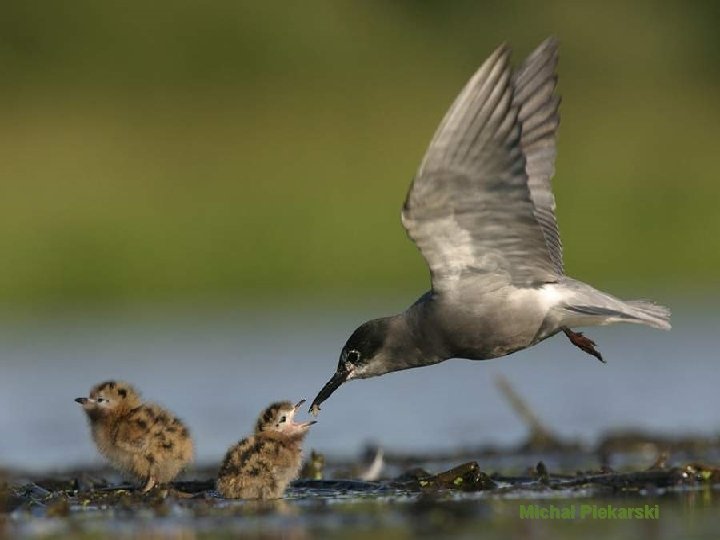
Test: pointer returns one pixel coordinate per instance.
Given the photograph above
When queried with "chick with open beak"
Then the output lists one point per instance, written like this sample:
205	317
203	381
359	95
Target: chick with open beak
262	465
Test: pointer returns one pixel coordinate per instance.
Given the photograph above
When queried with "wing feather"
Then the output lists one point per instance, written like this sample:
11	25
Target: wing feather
535	83
470	209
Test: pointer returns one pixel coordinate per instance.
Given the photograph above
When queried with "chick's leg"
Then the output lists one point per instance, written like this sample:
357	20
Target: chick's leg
149	484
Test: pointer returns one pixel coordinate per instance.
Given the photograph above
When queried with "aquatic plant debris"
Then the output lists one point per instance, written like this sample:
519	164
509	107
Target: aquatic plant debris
45	493
465	477
88	503
420	492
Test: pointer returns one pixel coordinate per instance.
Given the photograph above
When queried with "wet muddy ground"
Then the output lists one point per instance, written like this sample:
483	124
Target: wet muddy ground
459	494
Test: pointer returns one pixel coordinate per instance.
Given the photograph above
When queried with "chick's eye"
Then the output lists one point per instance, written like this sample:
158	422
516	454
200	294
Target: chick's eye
353	356
282	420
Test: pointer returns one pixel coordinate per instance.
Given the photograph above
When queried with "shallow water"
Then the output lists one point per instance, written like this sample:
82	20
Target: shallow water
217	370
372	510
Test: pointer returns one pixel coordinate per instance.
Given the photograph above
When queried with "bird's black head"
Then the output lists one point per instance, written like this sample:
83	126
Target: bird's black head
364	355
363	345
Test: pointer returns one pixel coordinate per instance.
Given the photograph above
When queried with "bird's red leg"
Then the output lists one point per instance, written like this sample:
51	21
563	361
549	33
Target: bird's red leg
582	342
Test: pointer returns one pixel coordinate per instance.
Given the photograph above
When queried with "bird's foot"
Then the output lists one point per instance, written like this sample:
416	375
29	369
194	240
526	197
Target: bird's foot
584	343
149	485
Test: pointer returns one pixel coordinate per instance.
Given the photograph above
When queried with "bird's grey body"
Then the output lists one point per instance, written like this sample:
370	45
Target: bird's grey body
482	212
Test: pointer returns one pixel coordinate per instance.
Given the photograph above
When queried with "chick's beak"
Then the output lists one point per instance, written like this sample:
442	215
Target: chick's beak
302	425
81	400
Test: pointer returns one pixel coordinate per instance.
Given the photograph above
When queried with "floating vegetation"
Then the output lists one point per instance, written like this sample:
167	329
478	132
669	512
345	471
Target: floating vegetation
90	502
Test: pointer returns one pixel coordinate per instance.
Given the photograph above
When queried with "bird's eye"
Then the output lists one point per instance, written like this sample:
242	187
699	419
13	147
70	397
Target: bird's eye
353	356
100	400
282	420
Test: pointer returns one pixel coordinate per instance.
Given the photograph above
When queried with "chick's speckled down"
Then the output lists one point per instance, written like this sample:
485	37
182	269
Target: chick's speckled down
142	439
262	465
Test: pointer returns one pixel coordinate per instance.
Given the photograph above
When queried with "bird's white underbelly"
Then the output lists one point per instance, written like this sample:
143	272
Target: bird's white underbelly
504	321
551	295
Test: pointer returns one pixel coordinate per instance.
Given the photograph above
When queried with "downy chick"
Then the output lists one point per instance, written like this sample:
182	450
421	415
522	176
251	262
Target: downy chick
141	439
261	466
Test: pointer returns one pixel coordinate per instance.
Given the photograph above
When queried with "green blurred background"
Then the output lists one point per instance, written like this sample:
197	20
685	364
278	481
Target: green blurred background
248	152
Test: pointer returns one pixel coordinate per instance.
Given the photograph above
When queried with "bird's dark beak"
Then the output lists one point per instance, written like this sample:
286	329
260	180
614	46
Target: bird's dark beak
299	404
81	400
340	376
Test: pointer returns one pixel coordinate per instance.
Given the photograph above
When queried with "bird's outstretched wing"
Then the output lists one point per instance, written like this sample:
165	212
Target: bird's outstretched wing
534	93
470	209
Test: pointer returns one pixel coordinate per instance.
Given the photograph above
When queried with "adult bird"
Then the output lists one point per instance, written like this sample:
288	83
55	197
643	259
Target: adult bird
482	212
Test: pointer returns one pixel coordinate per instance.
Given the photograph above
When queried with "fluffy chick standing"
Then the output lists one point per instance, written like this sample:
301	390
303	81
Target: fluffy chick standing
141	439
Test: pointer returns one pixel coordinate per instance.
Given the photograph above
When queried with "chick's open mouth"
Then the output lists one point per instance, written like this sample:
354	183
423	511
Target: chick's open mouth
299	425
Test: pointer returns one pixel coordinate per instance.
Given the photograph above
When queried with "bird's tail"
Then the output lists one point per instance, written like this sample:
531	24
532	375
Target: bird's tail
650	313
632	311
586	306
